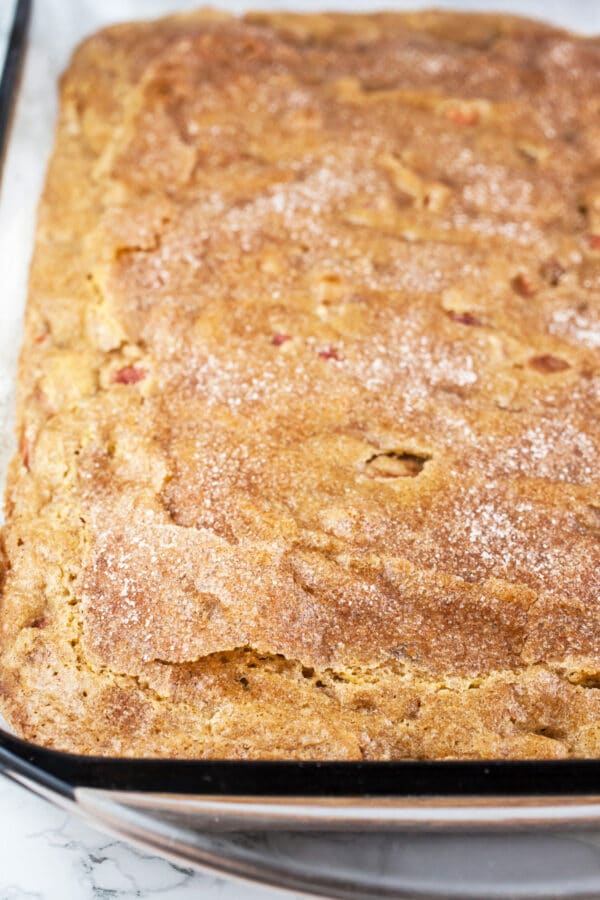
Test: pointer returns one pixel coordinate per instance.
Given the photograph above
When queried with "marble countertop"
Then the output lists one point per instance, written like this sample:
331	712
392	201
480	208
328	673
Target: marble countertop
48	854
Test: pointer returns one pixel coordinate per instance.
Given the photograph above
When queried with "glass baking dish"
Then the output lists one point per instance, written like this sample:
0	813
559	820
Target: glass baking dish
348	830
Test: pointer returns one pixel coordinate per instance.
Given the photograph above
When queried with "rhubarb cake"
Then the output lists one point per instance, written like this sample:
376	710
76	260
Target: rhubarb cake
309	397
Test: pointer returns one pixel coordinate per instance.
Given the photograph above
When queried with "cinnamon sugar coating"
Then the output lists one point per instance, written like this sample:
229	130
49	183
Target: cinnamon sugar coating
309	432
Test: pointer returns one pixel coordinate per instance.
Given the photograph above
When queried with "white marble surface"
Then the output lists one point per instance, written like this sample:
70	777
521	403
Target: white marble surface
46	853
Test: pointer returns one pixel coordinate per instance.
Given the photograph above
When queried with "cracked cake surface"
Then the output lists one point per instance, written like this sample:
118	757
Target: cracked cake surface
308	409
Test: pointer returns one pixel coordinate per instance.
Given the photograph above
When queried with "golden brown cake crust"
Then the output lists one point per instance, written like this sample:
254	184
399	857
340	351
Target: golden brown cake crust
308	399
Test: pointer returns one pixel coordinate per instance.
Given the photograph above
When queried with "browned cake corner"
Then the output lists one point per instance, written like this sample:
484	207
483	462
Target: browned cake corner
309	398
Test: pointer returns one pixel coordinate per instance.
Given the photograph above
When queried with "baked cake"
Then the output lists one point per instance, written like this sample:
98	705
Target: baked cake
309	396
